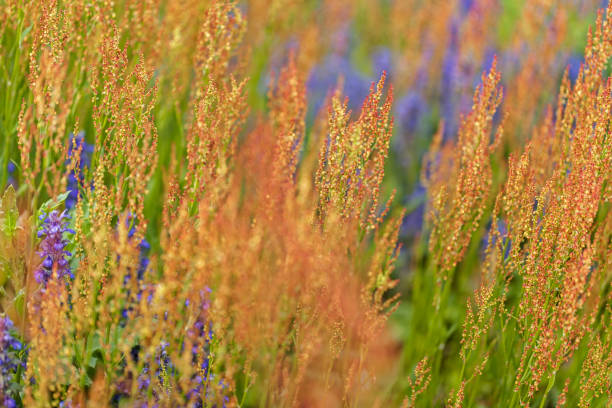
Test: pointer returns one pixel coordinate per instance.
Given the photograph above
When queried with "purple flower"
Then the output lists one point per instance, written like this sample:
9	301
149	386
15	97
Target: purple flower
200	333
488	239
574	63
10	167
12	362
466	5
324	78
410	110
460	74
52	247
143	264
9	402
86	151
449	79
412	223
382	60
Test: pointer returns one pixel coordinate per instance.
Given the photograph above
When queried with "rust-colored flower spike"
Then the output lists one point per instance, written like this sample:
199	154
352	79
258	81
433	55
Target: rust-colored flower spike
379	283
351	160
414	26
556	259
42	125
603	242
219	37
595	379
516	202
126	136
309	162
457	199
347	184
139	21
219	109
482	308
562	400
211	141
542	28
50	352
287	101
419	384
56	41
502	256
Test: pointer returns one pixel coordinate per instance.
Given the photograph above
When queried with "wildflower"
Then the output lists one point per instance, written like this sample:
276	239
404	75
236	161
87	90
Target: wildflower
467	5
11	171
10	363
410	111
144	247
574	62
158	370
382	61
324	78
52	248
143	263
84	150
415	206
449	78
459	73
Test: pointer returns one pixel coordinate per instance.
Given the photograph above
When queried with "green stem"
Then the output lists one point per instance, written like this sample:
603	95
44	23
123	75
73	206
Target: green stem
514	396
551	382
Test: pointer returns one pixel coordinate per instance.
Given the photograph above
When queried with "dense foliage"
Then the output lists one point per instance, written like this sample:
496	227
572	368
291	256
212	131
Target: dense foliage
218	203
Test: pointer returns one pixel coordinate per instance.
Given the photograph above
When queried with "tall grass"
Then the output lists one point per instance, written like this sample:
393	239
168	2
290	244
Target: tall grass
199	211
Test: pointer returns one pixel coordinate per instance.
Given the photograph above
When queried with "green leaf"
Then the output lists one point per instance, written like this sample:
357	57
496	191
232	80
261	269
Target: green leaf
19	302
61	198
24	33
9	214
92	361
52	204
93	343
5	271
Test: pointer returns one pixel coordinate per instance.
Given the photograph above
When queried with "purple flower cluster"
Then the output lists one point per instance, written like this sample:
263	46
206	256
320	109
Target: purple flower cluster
53	247
412	223
143	264
11	171
86	150
324	78
12	363
488	239
201	335
410	111
574	63
453	77
144	247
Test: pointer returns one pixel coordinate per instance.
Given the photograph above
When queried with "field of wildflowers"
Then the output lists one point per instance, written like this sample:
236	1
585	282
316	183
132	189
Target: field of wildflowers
313	203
